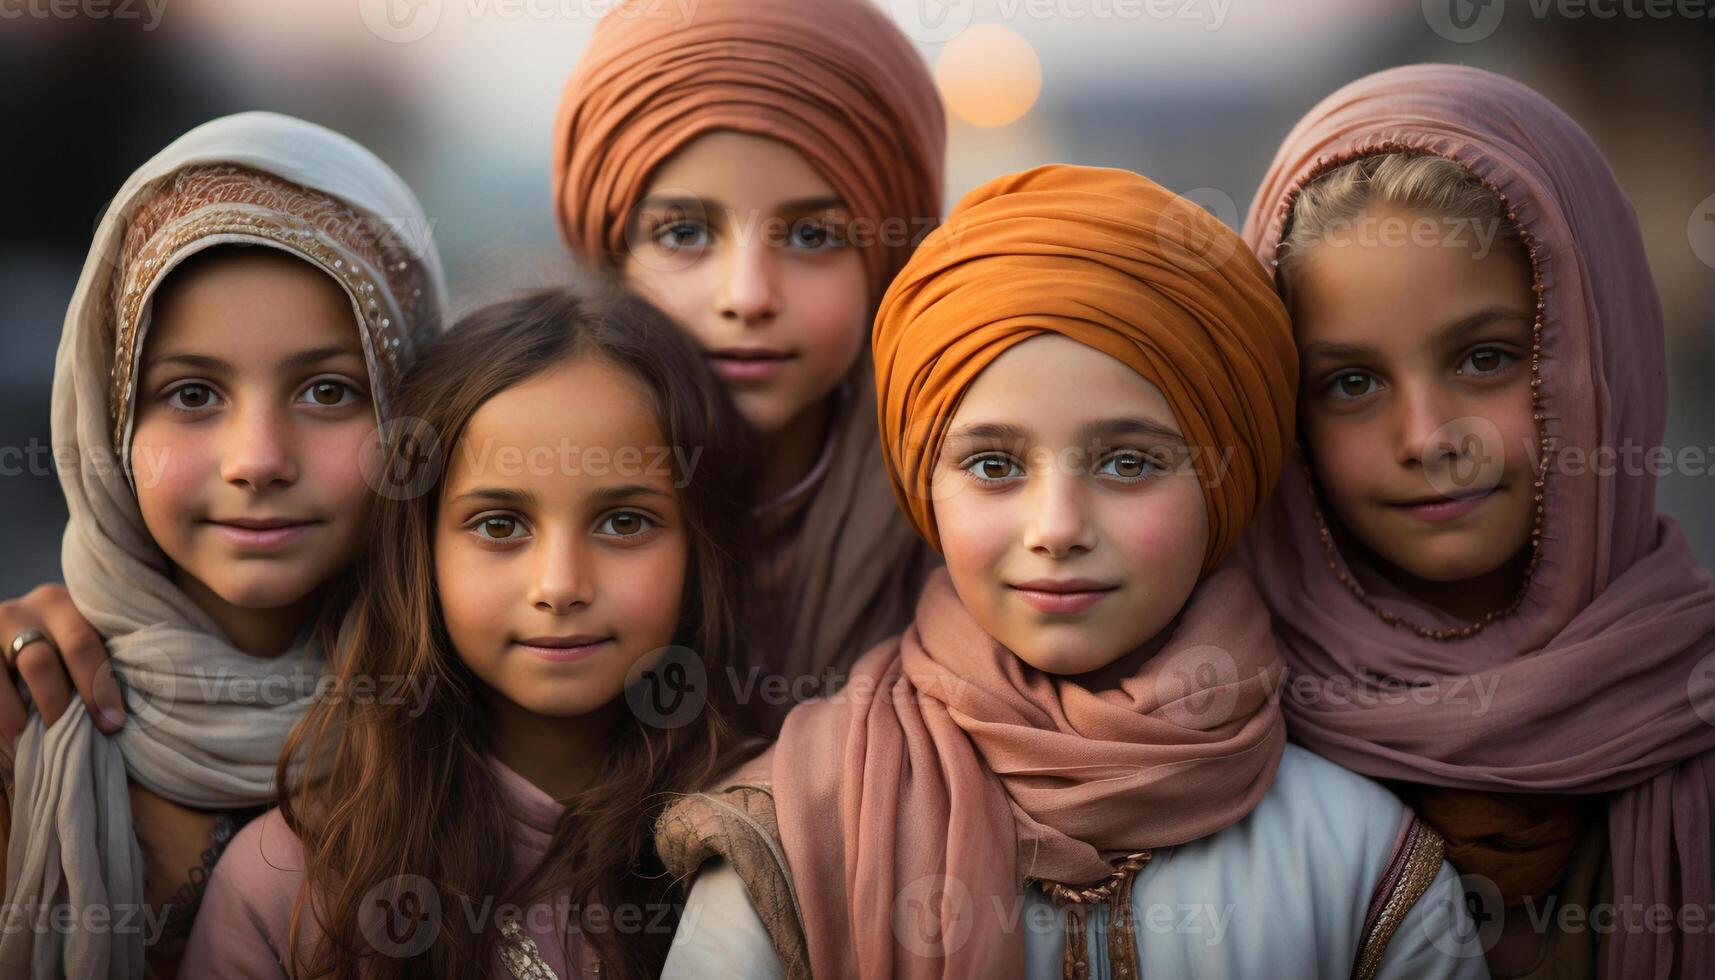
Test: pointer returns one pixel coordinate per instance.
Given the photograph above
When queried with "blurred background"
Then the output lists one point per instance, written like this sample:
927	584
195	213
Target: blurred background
459	96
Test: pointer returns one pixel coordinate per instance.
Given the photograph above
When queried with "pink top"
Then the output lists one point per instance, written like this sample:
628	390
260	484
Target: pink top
241	930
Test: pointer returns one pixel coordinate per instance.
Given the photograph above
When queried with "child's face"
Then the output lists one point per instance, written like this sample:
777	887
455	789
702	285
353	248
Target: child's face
253	410
560	550
1415	398
741	241
1071	519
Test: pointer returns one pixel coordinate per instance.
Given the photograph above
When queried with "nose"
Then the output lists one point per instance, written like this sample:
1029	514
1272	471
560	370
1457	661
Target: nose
747	293
1059	525
1422	436
261	448
561	581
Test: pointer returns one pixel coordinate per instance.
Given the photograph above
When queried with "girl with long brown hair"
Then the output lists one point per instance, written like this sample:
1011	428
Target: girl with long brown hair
483	773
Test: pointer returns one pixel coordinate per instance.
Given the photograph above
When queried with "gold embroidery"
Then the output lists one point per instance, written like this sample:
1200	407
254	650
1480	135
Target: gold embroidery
359	251
523	958
1115	890
1422	864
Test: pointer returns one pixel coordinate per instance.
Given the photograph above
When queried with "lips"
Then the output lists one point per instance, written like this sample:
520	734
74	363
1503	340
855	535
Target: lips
749	364
1063	596
1441	508
564	649
261	533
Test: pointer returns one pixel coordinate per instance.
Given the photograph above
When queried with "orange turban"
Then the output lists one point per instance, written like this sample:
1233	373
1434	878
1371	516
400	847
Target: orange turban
1115	262
833	79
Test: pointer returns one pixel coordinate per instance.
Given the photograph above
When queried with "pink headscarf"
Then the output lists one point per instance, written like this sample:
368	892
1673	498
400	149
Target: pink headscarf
1594	675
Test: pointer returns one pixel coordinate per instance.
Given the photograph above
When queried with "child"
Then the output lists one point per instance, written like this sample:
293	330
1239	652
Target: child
251	295
1078	730
761	172
1478	328
579	523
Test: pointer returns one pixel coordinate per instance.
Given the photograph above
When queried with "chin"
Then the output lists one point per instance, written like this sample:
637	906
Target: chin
1053	659
1452	561
573	704
263	595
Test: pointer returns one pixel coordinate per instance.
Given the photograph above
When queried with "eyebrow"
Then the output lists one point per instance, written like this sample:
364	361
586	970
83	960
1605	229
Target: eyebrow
1130	425
604	495
304	358
799	205
1450	332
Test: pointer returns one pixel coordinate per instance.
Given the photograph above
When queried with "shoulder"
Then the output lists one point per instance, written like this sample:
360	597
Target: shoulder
244	922
1326	807
720	933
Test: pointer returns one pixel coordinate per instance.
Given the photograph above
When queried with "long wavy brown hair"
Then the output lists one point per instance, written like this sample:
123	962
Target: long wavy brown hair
386	796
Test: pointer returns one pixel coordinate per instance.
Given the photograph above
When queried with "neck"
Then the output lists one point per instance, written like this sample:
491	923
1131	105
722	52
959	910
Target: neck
555	754
790	453
1126	667
265	633
1468	599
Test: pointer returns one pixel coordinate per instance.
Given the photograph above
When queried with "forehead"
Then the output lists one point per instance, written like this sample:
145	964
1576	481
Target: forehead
1052	384
556	418
249	305
736	169
1401	293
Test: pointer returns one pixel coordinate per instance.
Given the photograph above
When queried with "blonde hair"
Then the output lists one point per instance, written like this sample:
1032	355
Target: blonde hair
1414	182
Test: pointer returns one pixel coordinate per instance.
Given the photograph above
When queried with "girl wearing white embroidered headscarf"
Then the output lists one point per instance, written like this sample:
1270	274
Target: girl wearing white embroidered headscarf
197	734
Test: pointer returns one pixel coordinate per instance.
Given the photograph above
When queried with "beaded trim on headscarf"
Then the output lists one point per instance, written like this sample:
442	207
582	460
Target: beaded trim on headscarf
1539	486
201	202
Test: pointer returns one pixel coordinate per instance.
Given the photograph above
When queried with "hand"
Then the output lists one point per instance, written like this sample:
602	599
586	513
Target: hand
75	656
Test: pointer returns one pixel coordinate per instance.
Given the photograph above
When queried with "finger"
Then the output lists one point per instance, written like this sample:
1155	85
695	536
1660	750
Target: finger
83	655
13	621
40	670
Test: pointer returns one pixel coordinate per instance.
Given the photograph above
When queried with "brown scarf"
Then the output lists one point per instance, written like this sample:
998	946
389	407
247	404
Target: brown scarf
944	746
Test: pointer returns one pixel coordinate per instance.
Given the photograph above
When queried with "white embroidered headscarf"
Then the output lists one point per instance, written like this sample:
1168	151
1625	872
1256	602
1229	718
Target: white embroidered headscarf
255	179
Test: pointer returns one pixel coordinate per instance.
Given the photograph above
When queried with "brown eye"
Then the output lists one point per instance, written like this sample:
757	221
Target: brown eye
1129	466
625	525
497	528
993	468
191	397
328	394
1487	361
1352	385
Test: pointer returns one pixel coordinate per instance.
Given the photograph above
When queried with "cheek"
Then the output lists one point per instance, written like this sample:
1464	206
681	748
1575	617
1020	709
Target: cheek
828	310
173	466
684	294
477	590
333	467
976	528
1344	454
1162	534
646	589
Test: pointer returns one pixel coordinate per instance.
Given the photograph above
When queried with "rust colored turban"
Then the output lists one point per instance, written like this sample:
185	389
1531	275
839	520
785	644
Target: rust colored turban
1122	265
833	79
